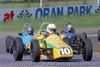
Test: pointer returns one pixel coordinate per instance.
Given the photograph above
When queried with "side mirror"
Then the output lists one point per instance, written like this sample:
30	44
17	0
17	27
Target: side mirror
20	34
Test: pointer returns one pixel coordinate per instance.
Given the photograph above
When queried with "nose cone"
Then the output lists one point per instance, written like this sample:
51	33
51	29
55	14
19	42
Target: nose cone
64	52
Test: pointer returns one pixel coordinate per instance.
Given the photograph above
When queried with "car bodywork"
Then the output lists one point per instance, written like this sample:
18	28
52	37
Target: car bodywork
52	46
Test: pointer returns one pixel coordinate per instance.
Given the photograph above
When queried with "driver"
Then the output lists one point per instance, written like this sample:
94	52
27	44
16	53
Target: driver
29	31
69	31
27	35
51	29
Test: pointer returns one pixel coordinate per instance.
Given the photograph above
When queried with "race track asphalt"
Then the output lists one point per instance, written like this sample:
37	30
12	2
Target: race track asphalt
6	59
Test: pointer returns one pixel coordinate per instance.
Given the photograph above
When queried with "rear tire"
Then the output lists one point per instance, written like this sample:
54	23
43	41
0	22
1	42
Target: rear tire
11	45
79	40
35	51
18	48
7	43
79	37
84	36
67	41
98	33
87	50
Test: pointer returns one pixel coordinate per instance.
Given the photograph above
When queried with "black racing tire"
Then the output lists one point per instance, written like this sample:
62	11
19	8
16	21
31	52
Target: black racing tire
18	49
35	51
79	37
11	45
7	43
79	40
87	50
84	36
98	35
67	41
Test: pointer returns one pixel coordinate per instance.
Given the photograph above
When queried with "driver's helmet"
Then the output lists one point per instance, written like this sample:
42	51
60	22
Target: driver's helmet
51	28
30	30
69	27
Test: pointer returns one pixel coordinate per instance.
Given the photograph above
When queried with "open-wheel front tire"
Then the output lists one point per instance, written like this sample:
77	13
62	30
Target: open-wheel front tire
18	48
35	51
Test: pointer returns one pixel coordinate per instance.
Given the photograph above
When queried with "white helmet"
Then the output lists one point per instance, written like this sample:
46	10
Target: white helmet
51	27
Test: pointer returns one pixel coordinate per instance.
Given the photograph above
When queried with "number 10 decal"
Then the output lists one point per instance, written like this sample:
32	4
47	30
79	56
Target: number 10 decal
65	51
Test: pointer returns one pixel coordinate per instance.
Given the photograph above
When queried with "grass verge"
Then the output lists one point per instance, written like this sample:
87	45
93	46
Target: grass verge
90	21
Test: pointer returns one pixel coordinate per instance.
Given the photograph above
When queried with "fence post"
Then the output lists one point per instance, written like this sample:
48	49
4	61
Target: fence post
40	3
98	1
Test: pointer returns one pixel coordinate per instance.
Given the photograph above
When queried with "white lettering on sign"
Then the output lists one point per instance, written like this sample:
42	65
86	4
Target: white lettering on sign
13	14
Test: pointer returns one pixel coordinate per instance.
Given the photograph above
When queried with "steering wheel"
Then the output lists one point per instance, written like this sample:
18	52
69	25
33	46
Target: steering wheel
43	32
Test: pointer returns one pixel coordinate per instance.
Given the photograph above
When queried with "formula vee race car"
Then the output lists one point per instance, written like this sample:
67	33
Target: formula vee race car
80	45
23	36
51	47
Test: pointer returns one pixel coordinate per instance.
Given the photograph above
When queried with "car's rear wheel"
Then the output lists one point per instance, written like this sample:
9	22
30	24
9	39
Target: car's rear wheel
84	36
79	40
35	51
11	45
18	48
67	41
79	37
98	33
87	50
7	43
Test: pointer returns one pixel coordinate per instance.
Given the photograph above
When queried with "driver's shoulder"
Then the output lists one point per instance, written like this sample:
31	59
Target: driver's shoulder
73	31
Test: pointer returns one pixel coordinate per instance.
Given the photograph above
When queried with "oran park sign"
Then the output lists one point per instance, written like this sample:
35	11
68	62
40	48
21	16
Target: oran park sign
13	14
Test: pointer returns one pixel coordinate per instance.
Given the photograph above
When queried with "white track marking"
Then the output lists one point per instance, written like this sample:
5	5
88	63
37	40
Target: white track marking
92	35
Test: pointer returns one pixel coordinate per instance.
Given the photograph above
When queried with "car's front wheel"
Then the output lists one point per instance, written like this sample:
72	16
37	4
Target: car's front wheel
18	49
35	51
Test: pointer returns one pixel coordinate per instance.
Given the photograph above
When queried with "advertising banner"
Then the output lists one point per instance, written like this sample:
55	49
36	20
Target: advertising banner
14	14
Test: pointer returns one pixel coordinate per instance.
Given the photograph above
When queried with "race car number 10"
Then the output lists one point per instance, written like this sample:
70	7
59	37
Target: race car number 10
65	51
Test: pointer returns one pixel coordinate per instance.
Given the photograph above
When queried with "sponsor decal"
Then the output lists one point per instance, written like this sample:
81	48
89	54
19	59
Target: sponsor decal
97	11
45	12
54	38
24	14
8	16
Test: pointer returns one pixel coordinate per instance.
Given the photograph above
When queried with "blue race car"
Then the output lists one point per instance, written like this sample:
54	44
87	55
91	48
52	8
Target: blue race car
80	44
26	40
71	36
24	36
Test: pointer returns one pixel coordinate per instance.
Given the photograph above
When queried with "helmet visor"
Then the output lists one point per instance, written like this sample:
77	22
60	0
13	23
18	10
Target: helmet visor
52	30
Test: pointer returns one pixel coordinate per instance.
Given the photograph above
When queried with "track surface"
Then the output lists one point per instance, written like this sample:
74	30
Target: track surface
6	59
